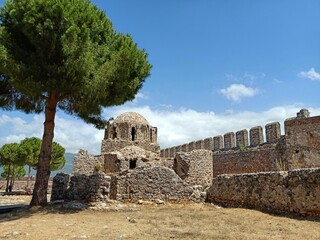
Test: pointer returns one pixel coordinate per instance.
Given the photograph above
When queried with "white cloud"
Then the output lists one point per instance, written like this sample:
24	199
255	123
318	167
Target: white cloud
175	127
235	92
311	74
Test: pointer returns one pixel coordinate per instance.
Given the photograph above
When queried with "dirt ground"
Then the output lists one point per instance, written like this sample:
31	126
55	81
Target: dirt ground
150	221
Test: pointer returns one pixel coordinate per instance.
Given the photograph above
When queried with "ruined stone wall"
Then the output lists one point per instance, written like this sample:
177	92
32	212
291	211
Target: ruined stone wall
109	145
195	167
302	142
95	187
85	163
290	191
149	183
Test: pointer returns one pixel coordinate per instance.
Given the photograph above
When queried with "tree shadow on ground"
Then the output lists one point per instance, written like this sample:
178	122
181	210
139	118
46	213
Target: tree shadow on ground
28	211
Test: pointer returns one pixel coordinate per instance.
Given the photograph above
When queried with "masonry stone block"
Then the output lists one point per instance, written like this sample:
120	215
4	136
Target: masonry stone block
167	153
229	141
199	144
256	136
191	146
208	144
242	138
217	143
273	132
172	152
184	148
178	149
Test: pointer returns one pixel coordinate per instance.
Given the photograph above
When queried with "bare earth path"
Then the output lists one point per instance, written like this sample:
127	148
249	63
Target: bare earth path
168	221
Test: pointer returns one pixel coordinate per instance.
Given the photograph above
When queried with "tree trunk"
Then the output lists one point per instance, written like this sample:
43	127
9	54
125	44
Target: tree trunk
8	178
29	172
39	196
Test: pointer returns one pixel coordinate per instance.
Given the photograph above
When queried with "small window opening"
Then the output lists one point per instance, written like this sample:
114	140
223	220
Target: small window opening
132	164
114	133
297	151
133	134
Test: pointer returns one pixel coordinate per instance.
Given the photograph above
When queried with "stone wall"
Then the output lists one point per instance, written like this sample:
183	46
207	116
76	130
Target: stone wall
303	142
110	145
149	183
250	160
95	187
85	163
195	167
289	191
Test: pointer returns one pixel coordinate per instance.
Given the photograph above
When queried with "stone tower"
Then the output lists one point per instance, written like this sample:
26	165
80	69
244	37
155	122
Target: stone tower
129	129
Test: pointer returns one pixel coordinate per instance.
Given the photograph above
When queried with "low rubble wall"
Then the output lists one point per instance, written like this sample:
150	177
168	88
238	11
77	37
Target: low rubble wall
295	191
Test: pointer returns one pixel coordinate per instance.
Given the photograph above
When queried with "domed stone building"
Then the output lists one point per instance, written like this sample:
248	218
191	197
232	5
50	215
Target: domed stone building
129	129
129	141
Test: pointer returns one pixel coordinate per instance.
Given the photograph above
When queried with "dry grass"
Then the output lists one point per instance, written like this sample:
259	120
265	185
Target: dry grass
169	221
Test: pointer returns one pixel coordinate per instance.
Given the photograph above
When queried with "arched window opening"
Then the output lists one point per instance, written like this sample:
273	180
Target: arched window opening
133	134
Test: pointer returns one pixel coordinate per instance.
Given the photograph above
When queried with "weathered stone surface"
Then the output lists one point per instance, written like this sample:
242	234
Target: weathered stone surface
129	128
149	183
217	143
293	191
242	138
195	167
60	185
256	136
127	158
302	142
273	132
229	141
85	163
89	188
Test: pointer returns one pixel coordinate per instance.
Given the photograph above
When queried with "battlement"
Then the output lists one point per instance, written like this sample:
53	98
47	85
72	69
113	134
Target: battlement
261	149
230	141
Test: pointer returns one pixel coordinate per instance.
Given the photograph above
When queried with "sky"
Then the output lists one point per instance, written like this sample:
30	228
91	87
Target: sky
218	66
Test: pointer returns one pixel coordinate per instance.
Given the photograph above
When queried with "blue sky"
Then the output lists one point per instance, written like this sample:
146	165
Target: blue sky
218	66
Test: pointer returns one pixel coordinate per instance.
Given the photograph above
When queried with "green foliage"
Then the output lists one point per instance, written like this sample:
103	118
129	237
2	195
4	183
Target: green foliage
69	48
9	155
57	157
18	172
29	150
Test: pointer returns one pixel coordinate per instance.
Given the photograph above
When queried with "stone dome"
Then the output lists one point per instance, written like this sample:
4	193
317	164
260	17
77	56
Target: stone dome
131	117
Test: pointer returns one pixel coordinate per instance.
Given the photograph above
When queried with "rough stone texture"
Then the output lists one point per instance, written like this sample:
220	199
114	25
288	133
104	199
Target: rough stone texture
162	153
178	149
85	163
172	152
60	185
256	136
245	161
208	144
217	143
191	146
273	132
229	141
184	148
294	191
242	138
199	144
303	113
167	153
89	188
126	158
302	142
149	183
195	167
129	129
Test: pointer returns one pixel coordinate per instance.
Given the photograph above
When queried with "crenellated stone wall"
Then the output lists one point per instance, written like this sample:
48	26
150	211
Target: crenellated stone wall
235	153
289	191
